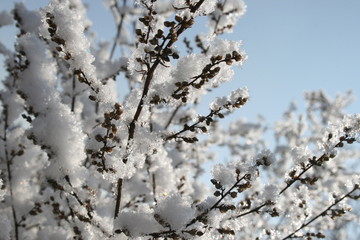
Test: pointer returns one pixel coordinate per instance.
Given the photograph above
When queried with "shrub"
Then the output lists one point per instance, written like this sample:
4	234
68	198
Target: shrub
78	163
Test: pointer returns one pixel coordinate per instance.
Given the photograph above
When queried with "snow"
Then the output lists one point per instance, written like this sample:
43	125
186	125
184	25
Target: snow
55	126
220	102
5	226
175	211
5	19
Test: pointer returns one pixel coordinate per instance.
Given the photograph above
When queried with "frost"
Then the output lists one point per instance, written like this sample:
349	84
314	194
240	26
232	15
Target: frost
80	161
31	20
351	183
200	191
218	103
347	127
55	233
265	157
61	134
5	226
226	16
71	22
133	64
300	154
5	19
207	8
2	191
239	93
270	193
175	211
270	234
223	174
4	50
14	104
204	9
234	97
130	222
188	67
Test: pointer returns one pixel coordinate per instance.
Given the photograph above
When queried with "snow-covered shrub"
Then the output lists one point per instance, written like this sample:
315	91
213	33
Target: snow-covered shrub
78	163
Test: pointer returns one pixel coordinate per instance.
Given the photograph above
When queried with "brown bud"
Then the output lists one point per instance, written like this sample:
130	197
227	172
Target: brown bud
92	98
138	32
169	24
178	18
233	194
99	138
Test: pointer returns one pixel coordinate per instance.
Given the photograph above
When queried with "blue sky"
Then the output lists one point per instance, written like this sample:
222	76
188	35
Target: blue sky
293	47
296	46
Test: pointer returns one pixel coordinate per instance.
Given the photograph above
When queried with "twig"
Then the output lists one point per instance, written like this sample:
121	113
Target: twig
119	27
149	76
323	213
252	210
227	192
172	117
215	205
154	186
73	98
316	162
118	197
8	165
187	128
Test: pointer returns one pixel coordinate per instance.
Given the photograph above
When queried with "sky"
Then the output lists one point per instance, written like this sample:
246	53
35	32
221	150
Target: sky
292	46
297	46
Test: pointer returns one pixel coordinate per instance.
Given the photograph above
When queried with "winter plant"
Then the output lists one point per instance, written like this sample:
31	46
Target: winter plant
79	161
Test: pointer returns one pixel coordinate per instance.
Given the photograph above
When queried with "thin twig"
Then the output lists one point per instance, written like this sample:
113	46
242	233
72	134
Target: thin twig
73	98
252	210
118	197
172	116
311	164
154	186
119	27
227	192
323	213
8	165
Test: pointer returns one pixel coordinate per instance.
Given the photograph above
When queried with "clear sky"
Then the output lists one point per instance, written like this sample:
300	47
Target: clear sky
293	46
296	46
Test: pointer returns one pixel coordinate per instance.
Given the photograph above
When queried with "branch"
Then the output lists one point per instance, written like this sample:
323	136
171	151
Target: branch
252	210
172	37
118	28
313	162
207	119
323	213
172	116
193	126
316	162
173	233
228	192
216	205
118	197
73	98
8	165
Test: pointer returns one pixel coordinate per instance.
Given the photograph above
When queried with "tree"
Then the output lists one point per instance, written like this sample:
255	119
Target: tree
78	163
